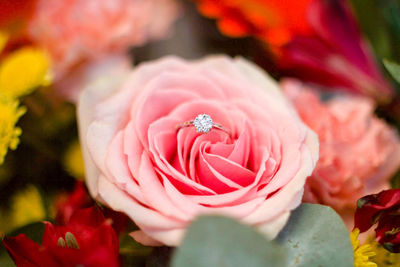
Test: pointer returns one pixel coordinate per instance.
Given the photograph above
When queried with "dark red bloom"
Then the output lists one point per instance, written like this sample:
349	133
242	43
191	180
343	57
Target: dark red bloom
382	209
88	240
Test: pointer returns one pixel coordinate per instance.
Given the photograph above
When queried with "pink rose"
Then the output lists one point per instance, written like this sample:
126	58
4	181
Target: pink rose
138	162
358	153
77	31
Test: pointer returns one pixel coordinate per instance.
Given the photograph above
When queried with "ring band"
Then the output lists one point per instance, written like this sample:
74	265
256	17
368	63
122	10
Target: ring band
203	124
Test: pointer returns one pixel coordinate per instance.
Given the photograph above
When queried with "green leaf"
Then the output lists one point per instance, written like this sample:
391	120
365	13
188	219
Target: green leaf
372	22
395	181
33	231
131	252
315	235
5	259
393	68
219	241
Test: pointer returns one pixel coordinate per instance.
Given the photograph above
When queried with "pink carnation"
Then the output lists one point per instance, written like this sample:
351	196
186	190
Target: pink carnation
75	31
358	152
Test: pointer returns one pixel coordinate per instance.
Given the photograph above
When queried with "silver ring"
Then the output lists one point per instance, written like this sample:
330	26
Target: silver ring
203	124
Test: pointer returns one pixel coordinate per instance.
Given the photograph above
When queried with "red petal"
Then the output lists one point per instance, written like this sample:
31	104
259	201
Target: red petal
77	199
92	217
26	253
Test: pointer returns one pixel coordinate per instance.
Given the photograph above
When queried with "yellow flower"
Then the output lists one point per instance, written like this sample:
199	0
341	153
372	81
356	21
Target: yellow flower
10	112
27	207
383	257
73	161
362	253
23	71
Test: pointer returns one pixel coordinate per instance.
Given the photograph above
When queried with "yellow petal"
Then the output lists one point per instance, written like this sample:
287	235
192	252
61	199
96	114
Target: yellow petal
23	71
10	112
27	207
362	254
73	161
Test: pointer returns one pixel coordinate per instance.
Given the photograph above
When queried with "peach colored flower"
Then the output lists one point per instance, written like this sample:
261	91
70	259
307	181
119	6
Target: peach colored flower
75	31
138	162
358	152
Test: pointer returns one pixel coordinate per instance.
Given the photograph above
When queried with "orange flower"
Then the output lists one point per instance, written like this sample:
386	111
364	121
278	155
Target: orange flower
273	21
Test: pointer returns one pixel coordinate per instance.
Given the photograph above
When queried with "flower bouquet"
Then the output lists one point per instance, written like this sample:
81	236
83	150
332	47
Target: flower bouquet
200	133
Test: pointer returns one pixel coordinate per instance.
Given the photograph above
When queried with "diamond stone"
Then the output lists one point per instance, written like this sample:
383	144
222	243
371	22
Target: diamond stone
203	123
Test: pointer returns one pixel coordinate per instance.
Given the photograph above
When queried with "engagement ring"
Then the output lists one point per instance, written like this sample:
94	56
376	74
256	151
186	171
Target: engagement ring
203	124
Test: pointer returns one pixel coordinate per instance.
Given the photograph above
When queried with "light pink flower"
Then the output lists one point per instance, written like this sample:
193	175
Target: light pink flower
71	84
358	152
138	162
77	31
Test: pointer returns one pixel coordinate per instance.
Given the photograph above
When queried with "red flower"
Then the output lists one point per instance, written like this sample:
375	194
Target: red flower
335	55
88	240
383	209
316	40
67	204
79	199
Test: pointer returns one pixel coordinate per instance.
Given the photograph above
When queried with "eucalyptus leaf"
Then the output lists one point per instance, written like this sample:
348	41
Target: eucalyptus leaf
393	68
219	241
315	235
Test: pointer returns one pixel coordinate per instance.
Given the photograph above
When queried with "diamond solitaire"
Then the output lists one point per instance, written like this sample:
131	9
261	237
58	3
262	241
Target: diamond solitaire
203	123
